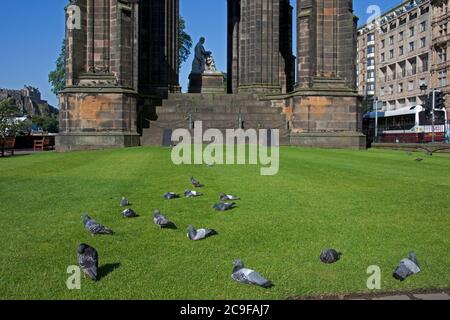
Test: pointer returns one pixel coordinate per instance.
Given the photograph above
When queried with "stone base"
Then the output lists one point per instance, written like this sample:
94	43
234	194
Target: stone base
206	83
337	140
95	141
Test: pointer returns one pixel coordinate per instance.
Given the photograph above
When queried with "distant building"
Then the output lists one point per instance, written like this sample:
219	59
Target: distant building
394	55
29	102
440	70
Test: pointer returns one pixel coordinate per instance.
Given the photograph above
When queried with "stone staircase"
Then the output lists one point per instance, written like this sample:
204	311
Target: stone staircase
218	111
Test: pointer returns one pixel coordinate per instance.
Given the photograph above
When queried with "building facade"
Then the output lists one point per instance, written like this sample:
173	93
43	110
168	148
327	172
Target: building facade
395	55
440	71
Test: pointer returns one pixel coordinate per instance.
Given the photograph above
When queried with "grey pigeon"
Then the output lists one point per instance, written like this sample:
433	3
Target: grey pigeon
192	194
228	197
200	234
124	202
129	213
330	256
161	221
248	276
224	206
171	196
196	183
88	260
94	227
419	159
407	267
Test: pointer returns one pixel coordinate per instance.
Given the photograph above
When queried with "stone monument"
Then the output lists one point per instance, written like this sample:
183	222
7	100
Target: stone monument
204	77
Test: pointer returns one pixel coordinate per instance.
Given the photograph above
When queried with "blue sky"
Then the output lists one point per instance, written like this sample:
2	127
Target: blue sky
31	33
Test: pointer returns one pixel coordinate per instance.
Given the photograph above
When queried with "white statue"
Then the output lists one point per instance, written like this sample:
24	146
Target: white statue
210	65
201	56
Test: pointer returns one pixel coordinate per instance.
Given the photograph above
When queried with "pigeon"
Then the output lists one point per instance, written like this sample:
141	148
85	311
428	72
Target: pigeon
196	183
171	195
161	221
124	202
419	159
330	256
407	267
200	234
192	194
227	197
129	213
94	227
248	276
88	260
429	153
224	206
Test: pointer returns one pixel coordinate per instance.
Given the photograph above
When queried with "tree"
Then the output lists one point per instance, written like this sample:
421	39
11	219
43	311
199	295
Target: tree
9	127
48	124
57	77
185	42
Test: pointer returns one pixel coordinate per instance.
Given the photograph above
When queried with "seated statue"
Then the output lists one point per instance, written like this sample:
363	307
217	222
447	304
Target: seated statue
201	56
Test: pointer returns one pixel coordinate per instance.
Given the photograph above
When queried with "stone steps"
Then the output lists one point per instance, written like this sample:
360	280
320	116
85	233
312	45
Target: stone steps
210	108
204	116
219	111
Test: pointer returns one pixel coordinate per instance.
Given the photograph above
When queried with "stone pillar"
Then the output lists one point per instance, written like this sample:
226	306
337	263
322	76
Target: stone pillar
98	107
325	104
159	61
326	44
258	48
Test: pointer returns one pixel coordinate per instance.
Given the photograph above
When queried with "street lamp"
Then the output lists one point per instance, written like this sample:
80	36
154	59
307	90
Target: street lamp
423	88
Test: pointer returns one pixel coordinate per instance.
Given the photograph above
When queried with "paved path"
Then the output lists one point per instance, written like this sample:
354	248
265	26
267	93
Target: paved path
443	294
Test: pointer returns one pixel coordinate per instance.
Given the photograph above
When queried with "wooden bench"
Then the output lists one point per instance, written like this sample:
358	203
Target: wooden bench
8	145
42	144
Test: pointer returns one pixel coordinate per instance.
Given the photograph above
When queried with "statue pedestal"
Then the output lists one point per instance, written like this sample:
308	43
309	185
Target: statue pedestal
207	82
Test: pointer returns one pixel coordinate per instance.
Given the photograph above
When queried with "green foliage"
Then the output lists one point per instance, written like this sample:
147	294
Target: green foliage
57	77
185	42
48	124
368	204
8	111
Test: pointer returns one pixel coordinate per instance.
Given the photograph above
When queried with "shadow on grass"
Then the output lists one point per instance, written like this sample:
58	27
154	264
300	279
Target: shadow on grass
103	271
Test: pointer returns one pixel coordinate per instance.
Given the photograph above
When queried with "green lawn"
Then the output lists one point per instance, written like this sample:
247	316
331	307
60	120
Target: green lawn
374	206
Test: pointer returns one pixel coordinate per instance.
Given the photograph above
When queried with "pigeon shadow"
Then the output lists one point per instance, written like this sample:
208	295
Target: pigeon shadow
171	226
106	269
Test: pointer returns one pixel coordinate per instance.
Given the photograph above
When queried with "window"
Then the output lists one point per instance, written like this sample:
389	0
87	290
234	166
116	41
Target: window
442	53
411	32
400	88
411	85
391	89
371	37
401	50
391	40
423	26
423	42
401	35
370	50
383	44
383	57
442	78
391	54
382	91
411	46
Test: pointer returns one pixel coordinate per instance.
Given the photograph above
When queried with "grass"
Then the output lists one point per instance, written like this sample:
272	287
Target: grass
374	206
